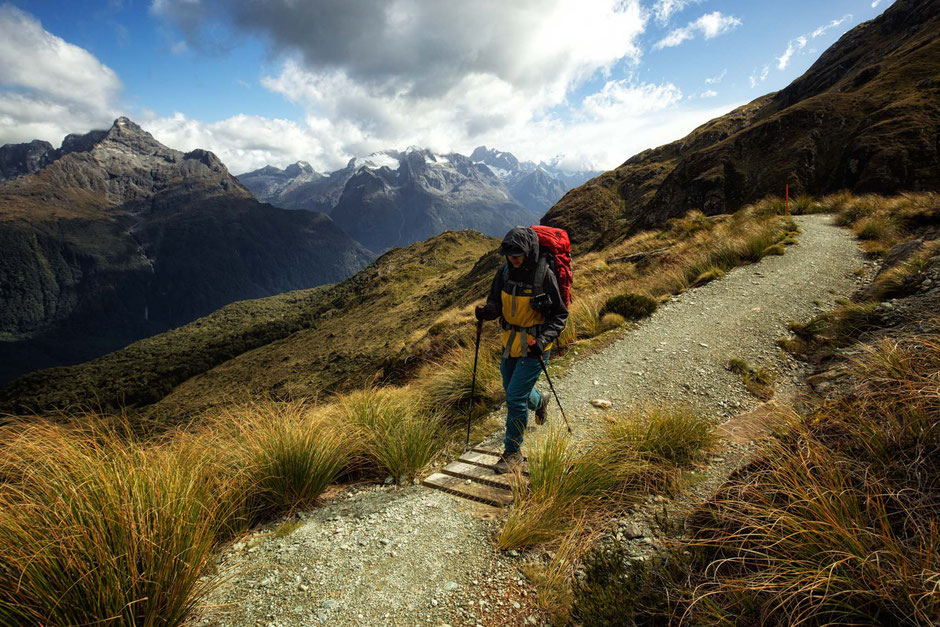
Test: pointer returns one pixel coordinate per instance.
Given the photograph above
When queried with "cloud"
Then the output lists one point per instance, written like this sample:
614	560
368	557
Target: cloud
439	74
875	3
624	98
663	10
619	120
796	45
708	93
716	79
822	29
793	46
423	48
709	25
49	87
757	78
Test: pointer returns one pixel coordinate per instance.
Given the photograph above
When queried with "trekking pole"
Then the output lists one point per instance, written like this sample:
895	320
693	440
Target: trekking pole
473	384
549	379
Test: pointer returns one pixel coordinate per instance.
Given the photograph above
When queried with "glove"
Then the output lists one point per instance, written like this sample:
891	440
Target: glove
485	312
535	349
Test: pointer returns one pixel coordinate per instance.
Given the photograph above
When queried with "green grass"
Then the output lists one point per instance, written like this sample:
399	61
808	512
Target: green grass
630	306
757	381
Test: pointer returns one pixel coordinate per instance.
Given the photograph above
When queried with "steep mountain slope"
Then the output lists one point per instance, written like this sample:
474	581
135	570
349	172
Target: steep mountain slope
301	343
119	237
865	117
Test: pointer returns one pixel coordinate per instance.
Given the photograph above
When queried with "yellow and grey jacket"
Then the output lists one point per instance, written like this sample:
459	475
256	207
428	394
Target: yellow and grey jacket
512	295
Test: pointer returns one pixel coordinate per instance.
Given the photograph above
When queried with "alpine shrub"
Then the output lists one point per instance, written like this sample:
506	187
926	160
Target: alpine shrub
631	306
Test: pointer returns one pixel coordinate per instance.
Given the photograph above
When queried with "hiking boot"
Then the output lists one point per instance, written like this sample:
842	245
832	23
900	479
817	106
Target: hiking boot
541	410
507	462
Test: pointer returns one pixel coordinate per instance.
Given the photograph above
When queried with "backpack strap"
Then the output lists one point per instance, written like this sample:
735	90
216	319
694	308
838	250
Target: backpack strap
538	279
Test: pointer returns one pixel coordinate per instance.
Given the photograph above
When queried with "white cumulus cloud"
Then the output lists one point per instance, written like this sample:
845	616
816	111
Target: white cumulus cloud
709	25
49	87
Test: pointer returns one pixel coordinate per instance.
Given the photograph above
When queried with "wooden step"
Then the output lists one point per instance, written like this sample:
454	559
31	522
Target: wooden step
486	460
479	474
474	491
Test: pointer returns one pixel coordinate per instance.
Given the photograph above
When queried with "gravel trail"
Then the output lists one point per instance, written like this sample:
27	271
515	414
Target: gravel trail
679	354
411	556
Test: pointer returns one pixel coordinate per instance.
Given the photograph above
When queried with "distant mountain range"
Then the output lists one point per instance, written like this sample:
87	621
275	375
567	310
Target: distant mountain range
114	237
390	198
864	117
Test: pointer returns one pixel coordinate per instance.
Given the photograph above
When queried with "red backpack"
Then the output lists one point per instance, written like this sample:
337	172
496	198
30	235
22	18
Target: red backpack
555	248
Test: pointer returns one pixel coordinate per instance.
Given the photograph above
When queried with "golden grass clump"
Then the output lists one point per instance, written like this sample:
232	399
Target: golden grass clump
287	453
611	321
446	383
398	437
638	452
837	521
95	526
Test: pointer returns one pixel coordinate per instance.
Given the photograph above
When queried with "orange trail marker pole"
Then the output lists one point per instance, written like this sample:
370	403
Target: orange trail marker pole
788	199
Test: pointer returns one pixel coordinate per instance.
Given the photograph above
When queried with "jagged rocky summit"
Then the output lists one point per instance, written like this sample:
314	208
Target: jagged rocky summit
114	236
865	117
393	198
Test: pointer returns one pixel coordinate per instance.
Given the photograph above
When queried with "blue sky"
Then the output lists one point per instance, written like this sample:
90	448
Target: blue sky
277	81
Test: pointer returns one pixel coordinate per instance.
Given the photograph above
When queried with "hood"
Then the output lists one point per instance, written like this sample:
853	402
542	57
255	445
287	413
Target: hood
522	238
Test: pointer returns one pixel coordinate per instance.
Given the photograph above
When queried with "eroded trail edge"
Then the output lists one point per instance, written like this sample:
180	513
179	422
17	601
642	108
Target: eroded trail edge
412	556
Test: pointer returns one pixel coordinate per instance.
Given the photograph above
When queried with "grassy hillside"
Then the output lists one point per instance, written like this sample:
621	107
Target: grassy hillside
864	117
365	319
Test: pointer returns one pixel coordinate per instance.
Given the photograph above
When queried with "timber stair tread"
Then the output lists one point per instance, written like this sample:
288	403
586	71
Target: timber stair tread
472	477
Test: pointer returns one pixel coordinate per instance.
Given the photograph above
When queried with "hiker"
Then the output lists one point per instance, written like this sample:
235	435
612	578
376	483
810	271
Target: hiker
532	317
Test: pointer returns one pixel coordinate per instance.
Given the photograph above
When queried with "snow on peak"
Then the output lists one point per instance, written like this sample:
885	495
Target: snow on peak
375	161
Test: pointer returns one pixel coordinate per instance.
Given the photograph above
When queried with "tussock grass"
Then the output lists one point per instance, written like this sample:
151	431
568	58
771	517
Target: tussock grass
903	279
94	526
805	204
446	383
834	523
758	381
883	222
562	482
848	319
553	579
287	453
398	437
638	452
667	435
612	321
630	306
583	320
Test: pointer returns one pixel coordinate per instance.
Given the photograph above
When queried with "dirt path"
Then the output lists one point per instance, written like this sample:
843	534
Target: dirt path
412	556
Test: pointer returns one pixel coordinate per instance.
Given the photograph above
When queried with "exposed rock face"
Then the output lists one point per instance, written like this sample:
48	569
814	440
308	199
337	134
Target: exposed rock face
393	198
19	159
537	191
428	194
864	117
118	237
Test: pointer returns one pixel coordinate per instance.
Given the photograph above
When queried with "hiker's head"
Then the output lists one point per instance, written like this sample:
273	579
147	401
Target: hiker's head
520	246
